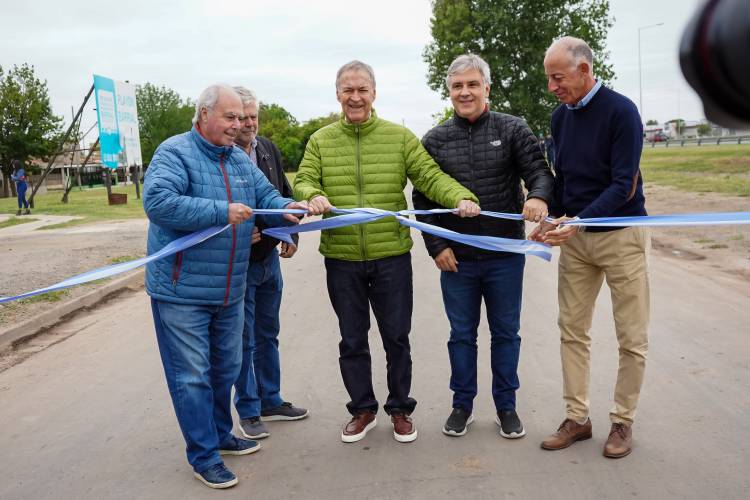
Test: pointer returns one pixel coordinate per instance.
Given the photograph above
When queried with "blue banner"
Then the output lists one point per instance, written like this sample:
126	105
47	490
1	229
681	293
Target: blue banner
106	113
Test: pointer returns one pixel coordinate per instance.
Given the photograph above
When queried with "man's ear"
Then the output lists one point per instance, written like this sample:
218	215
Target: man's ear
585	68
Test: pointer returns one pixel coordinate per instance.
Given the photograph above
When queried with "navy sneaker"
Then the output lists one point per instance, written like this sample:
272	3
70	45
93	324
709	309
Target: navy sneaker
458	422
510	425
287	411
239	446
217	477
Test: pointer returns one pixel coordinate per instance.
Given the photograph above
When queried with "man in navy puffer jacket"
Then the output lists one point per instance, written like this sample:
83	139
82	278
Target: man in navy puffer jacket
194	181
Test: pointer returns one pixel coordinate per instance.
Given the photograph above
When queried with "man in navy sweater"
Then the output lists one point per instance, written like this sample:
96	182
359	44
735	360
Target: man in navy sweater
599	138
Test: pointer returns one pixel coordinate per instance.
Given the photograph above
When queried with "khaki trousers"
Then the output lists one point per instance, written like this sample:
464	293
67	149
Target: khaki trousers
585	260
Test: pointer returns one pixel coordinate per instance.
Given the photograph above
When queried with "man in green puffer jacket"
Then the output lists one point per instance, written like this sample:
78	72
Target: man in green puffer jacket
364	161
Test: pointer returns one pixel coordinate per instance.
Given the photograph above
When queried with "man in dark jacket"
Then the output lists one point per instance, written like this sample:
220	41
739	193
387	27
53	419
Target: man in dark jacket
489	153
258	388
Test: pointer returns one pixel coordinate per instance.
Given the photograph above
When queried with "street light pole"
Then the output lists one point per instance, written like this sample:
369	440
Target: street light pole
640	78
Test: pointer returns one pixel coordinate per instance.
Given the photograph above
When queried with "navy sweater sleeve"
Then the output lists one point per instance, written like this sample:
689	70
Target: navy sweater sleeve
627	144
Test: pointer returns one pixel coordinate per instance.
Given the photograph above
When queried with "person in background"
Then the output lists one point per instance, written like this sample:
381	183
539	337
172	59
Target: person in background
258	389
19	177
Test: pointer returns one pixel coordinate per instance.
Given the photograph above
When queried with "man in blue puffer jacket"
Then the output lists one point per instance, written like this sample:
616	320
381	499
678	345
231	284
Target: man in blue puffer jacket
197	180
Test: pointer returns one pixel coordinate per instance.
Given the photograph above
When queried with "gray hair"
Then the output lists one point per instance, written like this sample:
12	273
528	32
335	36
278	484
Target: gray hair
247	95
578	49
209	97
467	62
356	65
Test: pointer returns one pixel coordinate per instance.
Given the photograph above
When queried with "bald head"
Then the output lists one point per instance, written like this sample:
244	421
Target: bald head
573	49
569	64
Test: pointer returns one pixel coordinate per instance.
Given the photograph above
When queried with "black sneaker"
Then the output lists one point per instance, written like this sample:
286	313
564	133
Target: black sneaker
458	422
287	411
253	428
217	477
510	425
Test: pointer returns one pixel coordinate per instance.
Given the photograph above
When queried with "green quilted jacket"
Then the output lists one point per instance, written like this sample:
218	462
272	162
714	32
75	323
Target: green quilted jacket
367	165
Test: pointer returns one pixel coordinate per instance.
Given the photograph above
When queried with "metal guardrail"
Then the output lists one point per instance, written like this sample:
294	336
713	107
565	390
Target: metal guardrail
699	141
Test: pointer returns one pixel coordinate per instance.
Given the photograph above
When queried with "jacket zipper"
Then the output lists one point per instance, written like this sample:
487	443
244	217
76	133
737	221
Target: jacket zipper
234	230
176	269
360	197
473	175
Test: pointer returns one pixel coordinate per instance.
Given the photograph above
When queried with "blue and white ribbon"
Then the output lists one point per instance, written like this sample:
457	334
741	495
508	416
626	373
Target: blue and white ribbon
351	216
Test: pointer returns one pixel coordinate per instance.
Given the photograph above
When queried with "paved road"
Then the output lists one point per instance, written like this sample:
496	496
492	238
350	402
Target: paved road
90	417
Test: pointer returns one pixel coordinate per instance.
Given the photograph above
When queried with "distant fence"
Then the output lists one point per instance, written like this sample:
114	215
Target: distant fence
699	141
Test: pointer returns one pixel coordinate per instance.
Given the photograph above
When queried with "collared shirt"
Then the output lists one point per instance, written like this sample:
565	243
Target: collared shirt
587	98
253	148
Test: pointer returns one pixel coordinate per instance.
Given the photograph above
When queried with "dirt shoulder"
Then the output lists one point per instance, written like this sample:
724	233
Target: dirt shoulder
713	249
31	258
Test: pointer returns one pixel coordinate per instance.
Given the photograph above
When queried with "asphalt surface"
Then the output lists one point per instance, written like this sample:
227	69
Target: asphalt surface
90	417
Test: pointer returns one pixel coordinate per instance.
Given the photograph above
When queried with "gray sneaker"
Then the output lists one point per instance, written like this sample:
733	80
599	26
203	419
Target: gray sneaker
253	428
287	411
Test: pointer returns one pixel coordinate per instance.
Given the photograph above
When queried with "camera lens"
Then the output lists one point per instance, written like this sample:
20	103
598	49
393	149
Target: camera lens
714	59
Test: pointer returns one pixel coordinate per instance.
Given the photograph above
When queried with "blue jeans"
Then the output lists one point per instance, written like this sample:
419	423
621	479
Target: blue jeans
21	192
500	283
259	384
200	349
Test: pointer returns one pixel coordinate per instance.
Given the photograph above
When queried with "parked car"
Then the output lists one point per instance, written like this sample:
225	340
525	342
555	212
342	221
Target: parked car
658	137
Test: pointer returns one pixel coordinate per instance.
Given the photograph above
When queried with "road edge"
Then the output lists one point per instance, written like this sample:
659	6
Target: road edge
48	319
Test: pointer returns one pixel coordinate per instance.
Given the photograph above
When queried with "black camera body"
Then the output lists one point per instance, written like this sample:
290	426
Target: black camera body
715	59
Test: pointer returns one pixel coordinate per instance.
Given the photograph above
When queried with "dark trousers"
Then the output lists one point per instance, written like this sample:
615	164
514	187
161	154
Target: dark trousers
386	285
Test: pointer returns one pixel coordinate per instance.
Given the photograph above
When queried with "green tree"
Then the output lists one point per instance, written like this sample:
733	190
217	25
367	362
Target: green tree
278	125
512	36
704	129
652	122
309	128
161	114
28	128
442	116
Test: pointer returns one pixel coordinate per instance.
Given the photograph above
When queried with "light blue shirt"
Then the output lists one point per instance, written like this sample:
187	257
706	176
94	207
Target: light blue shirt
587	98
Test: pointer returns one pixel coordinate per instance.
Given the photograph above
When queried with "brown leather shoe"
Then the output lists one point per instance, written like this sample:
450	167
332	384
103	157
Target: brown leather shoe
568	433
620	441
358	426
403	428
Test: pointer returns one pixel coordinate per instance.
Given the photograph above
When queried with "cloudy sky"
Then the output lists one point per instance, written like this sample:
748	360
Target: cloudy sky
289	51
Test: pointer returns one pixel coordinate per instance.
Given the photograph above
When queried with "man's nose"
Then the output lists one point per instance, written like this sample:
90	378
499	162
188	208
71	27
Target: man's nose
551	85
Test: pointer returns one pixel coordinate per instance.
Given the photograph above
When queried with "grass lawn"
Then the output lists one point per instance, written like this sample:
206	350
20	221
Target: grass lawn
719	169
14	221
91	204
